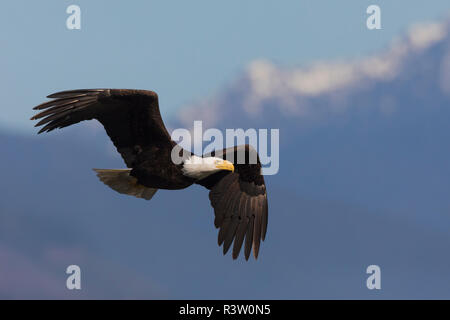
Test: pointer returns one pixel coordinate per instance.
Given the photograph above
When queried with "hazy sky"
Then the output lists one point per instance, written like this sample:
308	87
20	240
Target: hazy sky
364	182
184	50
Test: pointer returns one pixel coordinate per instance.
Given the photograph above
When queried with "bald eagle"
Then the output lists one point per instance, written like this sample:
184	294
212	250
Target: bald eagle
133	122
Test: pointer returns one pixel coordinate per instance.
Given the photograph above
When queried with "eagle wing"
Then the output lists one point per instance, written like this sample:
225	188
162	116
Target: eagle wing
239	200
131	118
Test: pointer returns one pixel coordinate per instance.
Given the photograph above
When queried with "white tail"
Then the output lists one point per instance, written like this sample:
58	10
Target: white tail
121	181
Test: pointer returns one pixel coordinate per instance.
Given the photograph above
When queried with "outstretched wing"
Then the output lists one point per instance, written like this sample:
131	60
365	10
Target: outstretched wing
239	200
131	118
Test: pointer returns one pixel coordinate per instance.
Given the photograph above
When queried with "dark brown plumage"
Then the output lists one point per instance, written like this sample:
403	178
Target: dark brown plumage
239	200
133	121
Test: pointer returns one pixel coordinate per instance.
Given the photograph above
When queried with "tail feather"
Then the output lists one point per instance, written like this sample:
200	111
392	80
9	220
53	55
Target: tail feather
121	181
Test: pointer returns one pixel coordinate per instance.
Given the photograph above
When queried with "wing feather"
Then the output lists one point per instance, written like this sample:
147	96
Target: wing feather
249	237
242	228
239	200
265	218
131	118
225	209
233	224
257	212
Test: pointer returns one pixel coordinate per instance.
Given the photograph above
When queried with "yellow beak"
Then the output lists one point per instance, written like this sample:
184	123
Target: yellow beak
225	165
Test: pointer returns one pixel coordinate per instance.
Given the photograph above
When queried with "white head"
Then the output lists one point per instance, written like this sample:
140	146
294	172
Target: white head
199	168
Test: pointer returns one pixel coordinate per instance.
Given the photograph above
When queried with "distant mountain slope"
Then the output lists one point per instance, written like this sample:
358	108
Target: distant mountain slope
55	213
416	67
372	131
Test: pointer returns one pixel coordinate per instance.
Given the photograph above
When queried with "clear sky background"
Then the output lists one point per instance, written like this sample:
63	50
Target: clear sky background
184	50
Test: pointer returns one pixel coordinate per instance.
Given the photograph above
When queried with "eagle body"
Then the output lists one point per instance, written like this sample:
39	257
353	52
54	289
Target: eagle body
154	169
132	120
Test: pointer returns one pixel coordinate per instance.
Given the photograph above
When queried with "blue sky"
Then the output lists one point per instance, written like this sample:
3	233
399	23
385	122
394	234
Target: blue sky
185	51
